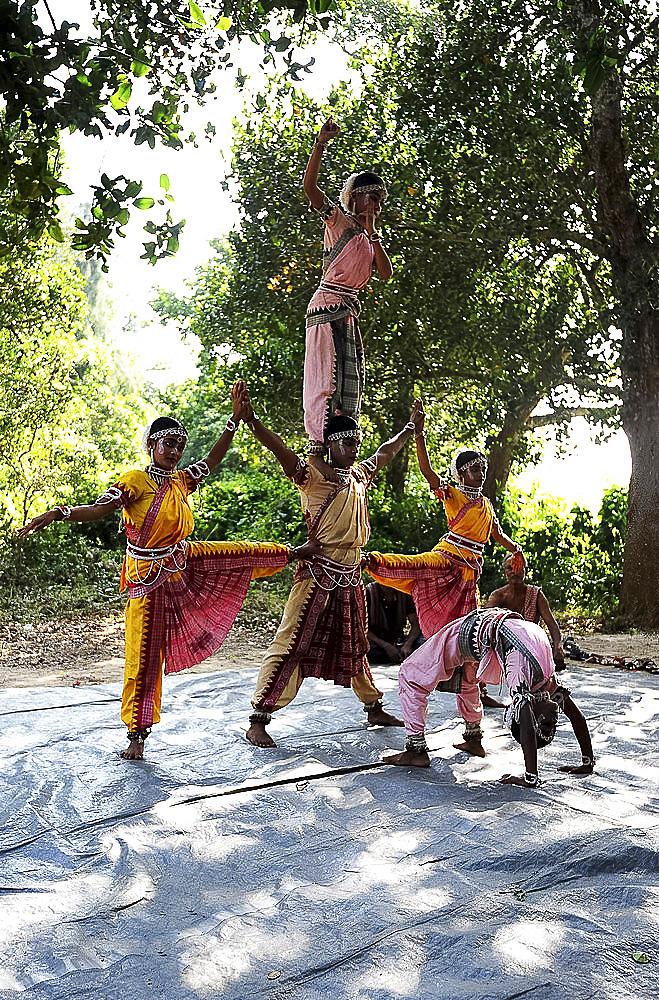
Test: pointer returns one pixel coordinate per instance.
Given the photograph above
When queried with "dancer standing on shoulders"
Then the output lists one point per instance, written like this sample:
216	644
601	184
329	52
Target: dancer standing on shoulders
530	602
323	629
334	356
183	595
443	582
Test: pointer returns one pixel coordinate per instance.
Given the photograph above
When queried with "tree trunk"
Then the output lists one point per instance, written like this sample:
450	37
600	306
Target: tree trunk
633	269
639	596
502	451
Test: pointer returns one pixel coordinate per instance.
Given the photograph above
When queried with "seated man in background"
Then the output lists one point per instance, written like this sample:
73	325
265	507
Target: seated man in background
530	602
389	611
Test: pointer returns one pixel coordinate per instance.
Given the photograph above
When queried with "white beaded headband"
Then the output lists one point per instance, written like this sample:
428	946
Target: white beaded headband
179	432
339	435
468	465
348	190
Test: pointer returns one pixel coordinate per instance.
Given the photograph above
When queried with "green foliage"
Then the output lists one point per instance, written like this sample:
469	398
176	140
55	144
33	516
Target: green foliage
59	572
576	559
68	413
136	68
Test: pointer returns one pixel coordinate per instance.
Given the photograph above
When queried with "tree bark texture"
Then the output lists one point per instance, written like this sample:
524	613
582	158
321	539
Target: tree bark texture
501	453
633	262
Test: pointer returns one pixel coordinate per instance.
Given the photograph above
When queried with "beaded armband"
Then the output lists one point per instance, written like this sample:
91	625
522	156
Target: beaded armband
198	471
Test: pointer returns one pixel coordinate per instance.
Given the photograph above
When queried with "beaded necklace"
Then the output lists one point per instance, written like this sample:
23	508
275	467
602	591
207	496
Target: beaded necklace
159	475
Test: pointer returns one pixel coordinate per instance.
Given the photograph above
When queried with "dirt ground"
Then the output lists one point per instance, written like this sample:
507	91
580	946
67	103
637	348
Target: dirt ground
89	650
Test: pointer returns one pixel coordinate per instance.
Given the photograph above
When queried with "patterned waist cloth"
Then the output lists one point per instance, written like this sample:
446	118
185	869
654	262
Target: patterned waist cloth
329	574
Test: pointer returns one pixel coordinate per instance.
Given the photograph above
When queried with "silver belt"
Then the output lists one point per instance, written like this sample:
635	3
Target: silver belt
335	573
156	559
465	543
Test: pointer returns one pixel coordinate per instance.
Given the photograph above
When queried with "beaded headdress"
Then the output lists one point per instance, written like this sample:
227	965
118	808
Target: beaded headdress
339	435
455	472
174	429
364	181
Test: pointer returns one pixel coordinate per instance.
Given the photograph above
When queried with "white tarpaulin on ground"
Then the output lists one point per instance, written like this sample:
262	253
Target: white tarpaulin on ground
213	869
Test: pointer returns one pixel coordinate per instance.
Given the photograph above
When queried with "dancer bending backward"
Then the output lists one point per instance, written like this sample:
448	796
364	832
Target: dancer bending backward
334	356
443	582
323	629
183	595
484	645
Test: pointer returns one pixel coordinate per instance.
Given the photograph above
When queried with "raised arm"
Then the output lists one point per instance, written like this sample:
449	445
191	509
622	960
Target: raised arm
554	630
287	459
388	451
435	482
223	443
310	183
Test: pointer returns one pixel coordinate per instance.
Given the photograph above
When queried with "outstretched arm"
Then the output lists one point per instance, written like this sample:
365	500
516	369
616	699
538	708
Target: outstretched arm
310	183
286	458
86	512
388	451
554	630
580	727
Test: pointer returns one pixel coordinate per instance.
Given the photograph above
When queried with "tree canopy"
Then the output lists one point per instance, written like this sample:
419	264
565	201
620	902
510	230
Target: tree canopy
127	67
519	143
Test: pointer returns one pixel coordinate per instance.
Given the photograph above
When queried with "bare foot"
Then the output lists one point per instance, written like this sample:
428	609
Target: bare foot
408	758
134	751
378	717
489	702
258	735
473	747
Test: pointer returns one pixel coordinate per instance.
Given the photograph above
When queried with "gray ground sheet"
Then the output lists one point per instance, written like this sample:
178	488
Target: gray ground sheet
213	869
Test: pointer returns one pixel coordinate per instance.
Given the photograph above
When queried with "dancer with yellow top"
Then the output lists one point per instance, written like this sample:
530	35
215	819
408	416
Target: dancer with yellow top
443	583
183	595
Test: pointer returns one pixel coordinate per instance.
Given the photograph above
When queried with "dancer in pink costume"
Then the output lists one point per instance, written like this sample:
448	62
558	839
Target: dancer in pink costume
484	646
334	368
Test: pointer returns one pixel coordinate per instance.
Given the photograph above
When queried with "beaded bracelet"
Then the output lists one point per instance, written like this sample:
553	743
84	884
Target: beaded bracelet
65	512
409	426
231	426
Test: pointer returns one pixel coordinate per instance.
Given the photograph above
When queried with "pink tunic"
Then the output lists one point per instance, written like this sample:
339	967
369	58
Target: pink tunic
437	659
334	355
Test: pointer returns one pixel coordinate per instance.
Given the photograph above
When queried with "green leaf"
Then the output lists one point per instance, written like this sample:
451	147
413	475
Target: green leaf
55	232
196	13
224	23
144	202
172	244
121	97
133	188
641	957
139	68
164	182
63	189
123	216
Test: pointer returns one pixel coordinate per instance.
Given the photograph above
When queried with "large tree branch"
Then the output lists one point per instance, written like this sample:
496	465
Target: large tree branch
602	413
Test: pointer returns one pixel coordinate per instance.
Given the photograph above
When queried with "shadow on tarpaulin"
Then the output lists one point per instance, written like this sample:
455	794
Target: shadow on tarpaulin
213	869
